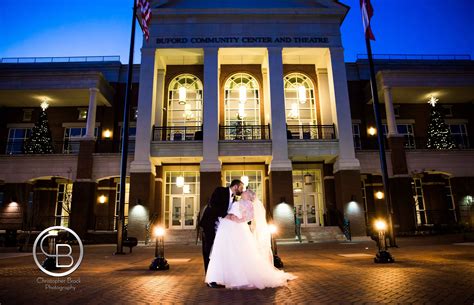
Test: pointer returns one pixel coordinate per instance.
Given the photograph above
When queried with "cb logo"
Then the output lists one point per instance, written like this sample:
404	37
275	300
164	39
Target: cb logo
55	254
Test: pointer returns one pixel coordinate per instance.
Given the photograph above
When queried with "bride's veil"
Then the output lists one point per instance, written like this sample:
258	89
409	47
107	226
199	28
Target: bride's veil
261	231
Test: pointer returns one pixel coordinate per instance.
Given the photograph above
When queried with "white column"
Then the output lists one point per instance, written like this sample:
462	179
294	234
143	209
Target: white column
339	97
91	111
160	94
280	161
324	99
391	122
146	113
266	97
210	146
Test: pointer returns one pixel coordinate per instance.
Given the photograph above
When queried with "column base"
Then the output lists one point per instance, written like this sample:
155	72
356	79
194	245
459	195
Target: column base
141	204
349	200
281	203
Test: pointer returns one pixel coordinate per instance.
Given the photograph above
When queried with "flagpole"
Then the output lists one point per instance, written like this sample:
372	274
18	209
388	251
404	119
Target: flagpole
380	137
124	155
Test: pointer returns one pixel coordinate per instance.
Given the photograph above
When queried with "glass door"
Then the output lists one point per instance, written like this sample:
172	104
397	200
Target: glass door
307	197
182	212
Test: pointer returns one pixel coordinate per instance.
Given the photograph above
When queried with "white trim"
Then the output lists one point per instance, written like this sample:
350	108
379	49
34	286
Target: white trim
456	121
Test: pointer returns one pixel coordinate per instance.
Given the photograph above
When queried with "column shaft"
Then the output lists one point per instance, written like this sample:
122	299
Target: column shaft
391	122
91	111
160	94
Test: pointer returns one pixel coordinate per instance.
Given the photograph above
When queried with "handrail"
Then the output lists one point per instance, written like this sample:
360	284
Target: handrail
311	132
29	60
242	132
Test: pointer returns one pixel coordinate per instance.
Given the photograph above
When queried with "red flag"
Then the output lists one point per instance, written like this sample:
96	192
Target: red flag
145	11
367	13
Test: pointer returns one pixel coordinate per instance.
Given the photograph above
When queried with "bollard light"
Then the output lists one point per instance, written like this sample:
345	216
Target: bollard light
382	256
159	262
276	259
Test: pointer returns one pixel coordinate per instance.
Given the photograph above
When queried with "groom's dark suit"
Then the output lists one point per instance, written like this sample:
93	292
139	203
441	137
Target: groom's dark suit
217	207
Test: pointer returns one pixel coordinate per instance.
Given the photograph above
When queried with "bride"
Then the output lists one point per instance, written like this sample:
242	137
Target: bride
241	259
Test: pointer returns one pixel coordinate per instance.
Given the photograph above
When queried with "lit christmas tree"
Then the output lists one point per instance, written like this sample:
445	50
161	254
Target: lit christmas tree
40	141
439	135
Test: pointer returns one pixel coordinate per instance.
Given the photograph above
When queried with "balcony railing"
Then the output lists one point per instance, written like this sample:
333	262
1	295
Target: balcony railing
311	132
244	132
29	60
177	133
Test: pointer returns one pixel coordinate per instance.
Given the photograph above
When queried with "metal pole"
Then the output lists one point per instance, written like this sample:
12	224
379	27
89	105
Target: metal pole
123	161
380	137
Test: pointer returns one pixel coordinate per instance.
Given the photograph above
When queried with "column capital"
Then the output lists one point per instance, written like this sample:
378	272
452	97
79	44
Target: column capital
210	166
94	90
346	164
322	71
275	50
142	167
211	50
281	165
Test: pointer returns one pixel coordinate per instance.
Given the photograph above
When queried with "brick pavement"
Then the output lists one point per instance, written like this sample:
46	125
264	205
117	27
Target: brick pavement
427	271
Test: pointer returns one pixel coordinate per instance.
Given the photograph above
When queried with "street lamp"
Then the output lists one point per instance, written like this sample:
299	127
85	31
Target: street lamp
276	259
382	256
160	262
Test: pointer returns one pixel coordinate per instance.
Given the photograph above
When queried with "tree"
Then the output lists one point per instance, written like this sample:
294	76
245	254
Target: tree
40	141
439	135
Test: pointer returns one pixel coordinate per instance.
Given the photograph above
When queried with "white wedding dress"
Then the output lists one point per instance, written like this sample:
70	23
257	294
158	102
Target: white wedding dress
236	261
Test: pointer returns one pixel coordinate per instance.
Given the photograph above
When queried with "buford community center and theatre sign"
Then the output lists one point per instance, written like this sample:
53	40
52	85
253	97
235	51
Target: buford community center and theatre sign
242	40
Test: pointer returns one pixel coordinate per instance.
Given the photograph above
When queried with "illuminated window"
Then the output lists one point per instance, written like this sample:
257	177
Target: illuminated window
185	101
300	103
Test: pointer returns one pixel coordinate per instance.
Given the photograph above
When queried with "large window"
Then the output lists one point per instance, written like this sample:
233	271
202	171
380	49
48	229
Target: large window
252	180
72	136
406	130
16	140
459	134
63	204
185	101
300	103
117	201
356	135
241	105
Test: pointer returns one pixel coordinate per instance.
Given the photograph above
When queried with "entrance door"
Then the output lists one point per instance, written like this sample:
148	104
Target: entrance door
182	212
307	209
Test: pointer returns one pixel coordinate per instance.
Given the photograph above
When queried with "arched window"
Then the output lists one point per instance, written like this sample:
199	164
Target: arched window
185	101
241	104
300	103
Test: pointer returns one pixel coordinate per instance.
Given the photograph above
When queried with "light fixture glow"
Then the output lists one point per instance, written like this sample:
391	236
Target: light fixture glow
186	189
294	112
107	134
372	131
380	225
182	95
188	115
242	94
180	181
245	180
159	231
242	111
379	195
272	228
302	94
102	199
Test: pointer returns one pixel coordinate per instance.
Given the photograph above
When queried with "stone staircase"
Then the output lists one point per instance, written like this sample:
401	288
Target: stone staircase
181	237
322	234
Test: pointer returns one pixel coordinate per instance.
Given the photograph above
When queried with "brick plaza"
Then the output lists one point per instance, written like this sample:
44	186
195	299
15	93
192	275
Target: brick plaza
428	270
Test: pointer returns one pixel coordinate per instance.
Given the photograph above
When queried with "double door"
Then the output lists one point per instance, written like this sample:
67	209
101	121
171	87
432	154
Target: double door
308	209
183	211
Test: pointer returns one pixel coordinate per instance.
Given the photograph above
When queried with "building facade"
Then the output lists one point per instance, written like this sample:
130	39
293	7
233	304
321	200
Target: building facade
261	93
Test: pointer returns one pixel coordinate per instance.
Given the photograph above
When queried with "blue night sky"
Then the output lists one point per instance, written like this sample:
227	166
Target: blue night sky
102	27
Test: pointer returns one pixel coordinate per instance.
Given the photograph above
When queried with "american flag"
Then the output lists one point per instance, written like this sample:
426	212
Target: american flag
145	10
367	13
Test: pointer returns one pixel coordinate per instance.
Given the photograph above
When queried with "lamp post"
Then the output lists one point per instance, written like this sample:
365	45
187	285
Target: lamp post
382	256
159	262
276	259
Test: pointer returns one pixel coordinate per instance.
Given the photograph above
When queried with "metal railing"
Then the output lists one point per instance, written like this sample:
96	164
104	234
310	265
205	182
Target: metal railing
244	132
435	57
311	132
29	60
177	133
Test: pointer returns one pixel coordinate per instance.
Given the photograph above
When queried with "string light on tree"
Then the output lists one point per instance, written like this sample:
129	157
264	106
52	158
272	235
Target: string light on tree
439	134
40	141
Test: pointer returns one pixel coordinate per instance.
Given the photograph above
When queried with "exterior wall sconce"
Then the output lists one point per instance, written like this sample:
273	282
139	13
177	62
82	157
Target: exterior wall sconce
107	134
102	199
379	195
372	131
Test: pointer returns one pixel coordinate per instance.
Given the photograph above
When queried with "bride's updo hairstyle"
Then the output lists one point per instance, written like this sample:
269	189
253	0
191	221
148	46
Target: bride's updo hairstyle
251	194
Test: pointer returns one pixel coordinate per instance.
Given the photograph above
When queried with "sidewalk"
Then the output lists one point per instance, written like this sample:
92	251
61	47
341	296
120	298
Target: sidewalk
428	270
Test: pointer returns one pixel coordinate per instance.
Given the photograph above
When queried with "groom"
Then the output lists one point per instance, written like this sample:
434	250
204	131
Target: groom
220	202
